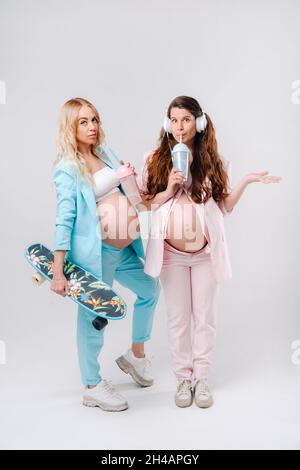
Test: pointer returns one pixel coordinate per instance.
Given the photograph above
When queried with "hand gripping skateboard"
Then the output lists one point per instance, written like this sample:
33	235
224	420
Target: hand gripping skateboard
85	289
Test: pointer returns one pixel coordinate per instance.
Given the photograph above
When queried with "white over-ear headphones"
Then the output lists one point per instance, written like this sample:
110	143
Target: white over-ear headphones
201	123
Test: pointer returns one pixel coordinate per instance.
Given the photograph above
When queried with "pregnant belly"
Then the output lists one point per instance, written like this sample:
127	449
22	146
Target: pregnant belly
118	219
184	230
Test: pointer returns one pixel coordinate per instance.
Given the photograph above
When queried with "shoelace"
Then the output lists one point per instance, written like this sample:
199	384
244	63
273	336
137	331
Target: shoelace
184	386
110	388
202	388
147	365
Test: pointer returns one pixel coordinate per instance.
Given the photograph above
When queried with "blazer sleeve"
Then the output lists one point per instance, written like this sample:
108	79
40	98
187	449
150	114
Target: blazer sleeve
66	210
227	166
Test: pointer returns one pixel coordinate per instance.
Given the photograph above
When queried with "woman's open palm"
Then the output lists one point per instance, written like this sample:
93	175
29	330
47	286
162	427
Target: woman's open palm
263	177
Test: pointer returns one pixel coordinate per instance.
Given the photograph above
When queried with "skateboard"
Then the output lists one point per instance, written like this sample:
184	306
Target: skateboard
85	289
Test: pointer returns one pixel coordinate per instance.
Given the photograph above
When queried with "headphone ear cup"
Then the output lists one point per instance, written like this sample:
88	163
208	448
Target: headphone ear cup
201	123
167	125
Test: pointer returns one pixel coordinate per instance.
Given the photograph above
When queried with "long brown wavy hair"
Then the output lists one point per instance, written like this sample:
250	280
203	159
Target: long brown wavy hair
207	165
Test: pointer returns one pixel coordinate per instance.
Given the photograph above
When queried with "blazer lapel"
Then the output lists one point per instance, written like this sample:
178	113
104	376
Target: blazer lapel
106	160
89	197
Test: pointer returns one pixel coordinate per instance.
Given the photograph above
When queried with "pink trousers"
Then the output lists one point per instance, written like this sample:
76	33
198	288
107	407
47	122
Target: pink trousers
190	291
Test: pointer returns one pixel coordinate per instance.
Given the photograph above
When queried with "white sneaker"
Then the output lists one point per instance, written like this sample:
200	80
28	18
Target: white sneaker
105	396
184	393
203	396
139	368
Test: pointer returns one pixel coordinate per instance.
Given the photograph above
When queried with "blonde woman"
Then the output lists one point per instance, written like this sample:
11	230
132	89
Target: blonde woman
88	191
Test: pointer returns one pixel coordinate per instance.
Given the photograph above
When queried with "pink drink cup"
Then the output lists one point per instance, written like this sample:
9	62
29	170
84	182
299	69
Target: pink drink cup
129	184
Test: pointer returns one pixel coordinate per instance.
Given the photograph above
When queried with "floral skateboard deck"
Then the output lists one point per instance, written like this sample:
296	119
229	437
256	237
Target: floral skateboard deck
85	289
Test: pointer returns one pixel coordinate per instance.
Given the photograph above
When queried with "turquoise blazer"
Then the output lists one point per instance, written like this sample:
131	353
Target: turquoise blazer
78	230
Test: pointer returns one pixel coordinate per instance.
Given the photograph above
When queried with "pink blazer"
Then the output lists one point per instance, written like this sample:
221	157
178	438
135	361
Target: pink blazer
214	232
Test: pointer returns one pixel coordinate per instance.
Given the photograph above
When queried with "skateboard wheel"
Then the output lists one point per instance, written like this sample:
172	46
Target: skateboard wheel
38	279
99	323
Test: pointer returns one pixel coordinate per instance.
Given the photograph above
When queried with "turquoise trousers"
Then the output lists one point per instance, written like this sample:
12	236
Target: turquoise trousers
124	266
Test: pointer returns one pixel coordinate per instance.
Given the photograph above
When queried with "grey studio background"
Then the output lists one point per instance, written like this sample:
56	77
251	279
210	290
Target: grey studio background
241	60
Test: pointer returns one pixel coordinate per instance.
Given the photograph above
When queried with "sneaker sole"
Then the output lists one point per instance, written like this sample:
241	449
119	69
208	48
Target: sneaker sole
90	402
126	367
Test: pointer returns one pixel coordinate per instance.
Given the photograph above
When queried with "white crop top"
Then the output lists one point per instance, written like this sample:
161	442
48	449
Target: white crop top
106	182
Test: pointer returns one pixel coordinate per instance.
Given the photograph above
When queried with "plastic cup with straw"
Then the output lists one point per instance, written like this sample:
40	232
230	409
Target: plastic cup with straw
180	158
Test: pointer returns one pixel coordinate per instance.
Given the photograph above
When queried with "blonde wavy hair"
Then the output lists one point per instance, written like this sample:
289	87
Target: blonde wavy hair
66	140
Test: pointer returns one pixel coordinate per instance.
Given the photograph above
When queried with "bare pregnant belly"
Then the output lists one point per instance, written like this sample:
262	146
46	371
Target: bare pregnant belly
184	230
118	219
